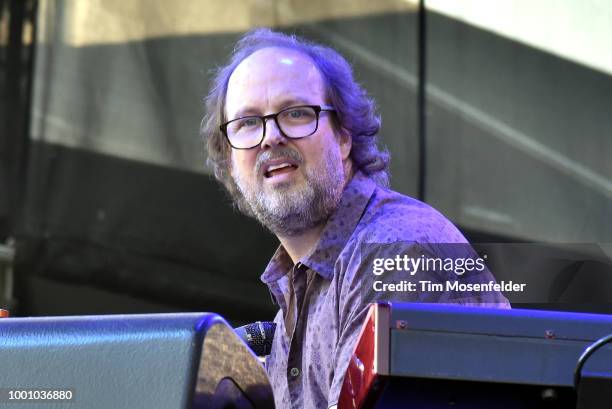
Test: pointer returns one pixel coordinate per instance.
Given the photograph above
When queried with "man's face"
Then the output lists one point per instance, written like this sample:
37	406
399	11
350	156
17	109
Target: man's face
291	185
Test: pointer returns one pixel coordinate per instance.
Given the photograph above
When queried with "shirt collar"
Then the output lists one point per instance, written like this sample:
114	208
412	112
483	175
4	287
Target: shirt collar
334	236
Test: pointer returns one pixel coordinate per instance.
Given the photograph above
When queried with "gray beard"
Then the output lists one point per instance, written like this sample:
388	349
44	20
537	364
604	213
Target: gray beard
291	210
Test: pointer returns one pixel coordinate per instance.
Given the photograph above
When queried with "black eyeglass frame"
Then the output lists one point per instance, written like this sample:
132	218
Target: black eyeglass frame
317	108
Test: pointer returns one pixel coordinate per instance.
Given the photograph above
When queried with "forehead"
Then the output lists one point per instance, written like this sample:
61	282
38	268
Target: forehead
272	77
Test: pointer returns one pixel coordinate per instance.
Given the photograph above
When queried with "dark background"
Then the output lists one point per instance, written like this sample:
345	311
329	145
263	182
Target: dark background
510	142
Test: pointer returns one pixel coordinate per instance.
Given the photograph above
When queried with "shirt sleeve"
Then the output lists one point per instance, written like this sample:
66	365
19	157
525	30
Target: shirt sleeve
357	289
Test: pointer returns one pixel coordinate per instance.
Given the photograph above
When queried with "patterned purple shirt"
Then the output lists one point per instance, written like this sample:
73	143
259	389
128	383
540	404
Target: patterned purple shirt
324	297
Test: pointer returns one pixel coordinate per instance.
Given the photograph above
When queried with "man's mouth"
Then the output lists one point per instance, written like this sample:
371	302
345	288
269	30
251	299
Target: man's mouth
278	169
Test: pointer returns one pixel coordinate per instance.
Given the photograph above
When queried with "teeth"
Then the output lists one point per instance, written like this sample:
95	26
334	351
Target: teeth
280	165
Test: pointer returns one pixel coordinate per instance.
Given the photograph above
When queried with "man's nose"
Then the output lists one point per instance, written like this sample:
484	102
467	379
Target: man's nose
273	135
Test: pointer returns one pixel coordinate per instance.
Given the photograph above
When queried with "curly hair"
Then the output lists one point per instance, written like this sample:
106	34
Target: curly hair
355	110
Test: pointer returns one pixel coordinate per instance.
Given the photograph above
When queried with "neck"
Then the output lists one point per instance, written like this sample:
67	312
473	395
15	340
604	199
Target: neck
302	244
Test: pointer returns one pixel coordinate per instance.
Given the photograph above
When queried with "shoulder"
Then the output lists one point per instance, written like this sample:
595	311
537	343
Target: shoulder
393	224
392	217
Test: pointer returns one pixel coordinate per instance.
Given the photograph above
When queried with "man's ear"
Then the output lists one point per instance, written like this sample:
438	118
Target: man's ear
346	143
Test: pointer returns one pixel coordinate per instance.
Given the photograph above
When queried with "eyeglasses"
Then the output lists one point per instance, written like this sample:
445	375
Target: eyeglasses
293	122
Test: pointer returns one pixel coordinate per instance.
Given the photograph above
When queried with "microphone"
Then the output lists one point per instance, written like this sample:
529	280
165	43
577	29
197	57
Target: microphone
258	336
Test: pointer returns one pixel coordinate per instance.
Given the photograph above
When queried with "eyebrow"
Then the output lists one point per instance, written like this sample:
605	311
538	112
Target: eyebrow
285	103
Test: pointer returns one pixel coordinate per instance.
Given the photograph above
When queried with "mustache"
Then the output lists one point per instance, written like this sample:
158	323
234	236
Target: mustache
284	152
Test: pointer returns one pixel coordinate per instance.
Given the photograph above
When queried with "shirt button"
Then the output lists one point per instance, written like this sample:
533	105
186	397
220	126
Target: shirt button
294	372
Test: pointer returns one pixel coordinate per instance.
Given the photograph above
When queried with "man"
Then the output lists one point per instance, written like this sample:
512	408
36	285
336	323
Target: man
293	138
